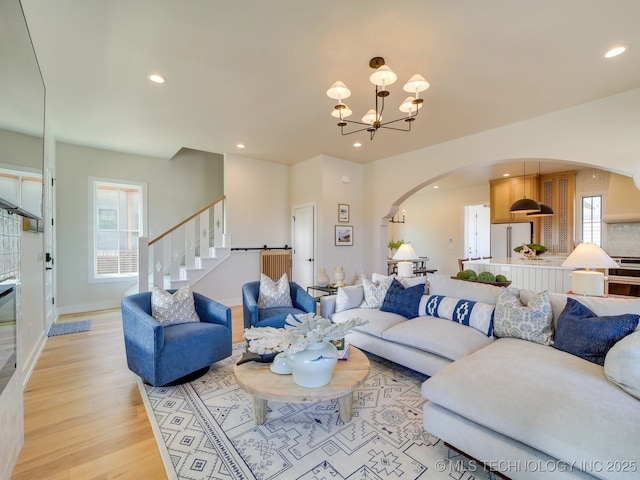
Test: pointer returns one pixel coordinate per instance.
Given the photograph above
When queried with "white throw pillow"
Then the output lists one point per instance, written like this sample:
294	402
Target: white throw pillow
173	309
374	293
349	297
274	294
408	282
532	322
622	364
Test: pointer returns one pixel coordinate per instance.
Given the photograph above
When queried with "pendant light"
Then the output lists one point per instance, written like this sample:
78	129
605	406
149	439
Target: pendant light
524	205
545	210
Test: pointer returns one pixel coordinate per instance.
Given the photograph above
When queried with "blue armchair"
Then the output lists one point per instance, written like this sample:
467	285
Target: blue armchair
273	317
162	355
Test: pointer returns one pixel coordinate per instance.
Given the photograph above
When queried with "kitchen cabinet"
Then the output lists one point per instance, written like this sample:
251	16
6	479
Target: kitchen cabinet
505	191
558	191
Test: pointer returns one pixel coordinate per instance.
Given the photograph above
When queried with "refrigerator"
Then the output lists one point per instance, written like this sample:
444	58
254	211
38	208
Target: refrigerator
506	236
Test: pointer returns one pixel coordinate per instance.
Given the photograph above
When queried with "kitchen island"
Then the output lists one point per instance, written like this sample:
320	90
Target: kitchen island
543	273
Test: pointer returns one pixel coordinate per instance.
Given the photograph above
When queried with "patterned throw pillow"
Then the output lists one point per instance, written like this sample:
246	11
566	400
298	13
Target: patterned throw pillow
478	315
403	301
580	332
532	322
173	309
274	294
374	293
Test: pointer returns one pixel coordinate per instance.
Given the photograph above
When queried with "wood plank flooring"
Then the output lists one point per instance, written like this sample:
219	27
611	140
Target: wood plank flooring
84	417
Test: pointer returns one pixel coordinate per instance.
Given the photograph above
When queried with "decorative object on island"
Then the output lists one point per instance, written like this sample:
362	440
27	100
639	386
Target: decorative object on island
405	255
323	279
530	250
305	344
524	205
470	275
338	274
587	281
344	235
382	77
343	213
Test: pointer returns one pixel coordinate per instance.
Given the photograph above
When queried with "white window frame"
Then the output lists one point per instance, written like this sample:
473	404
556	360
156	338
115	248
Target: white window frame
597	220
92	183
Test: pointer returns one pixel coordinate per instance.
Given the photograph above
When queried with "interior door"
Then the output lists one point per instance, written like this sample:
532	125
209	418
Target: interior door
303	245
49	248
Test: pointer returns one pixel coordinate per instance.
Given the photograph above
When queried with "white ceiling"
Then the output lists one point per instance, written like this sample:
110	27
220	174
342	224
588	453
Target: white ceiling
256	71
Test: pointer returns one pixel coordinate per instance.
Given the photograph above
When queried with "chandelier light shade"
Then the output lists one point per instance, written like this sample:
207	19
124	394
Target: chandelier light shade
382	77
524	205
587	281
545	210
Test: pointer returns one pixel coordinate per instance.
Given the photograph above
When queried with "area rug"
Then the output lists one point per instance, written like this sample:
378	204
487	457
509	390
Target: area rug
205	430
69	327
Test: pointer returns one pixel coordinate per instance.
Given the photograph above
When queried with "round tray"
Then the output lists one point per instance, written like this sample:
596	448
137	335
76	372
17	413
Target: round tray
497	284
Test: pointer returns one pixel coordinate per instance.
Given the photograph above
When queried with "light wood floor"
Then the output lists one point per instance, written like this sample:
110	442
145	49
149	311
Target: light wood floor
84	417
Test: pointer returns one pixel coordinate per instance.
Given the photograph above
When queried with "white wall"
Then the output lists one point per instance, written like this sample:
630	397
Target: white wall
603	133
176	189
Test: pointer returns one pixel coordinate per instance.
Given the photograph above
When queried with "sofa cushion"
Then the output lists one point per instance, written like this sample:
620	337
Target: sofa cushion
557	403
349	297
374	293
173	309
401	300
582	333
438	336
378	321
478	315
622	364
533	321
478	292
413	281
274	294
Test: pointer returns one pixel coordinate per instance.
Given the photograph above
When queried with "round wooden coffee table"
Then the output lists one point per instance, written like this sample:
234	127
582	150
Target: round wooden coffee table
263	385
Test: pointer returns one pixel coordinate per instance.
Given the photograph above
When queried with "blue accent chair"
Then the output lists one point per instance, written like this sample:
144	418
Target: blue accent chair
162	355
275	316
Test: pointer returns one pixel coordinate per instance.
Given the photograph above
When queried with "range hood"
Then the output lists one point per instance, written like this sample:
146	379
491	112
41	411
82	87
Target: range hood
622	204
13	208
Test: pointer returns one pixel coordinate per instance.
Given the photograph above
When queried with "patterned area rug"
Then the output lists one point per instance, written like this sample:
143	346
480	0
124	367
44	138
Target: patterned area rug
206	431
69	327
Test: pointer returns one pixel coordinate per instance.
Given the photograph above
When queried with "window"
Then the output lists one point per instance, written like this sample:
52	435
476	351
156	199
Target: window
592	220
118	213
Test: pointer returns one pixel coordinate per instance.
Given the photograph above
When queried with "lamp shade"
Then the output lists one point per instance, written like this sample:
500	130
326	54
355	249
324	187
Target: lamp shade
383	76
370	117
417	83
545	211
408	106
525	205
589	255
341	111
338	91
406	252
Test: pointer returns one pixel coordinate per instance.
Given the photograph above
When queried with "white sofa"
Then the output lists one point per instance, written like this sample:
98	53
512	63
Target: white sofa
524	409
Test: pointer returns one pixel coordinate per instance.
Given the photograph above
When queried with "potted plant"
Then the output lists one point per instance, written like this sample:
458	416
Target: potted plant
393	246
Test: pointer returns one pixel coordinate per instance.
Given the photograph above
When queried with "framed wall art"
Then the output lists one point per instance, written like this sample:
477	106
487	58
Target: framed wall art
344	235
343	213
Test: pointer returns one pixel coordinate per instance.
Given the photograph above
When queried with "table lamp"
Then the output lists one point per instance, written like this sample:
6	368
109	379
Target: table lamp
588	256
405	255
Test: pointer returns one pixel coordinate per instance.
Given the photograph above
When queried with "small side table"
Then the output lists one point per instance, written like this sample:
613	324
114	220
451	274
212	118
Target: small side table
329	290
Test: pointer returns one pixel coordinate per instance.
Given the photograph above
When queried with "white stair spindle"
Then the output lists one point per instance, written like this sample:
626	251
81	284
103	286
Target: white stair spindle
158	263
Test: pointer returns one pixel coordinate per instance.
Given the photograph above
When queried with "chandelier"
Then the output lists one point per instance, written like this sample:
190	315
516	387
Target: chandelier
382	77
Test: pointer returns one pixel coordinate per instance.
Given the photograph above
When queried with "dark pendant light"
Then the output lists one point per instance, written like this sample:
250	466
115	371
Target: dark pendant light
524	205
545	210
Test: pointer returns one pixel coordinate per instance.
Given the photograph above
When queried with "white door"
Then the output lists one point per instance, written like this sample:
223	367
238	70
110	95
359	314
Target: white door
476	231
303	268
49	248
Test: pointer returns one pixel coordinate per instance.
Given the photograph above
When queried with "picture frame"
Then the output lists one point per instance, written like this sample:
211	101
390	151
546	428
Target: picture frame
343	213
344	235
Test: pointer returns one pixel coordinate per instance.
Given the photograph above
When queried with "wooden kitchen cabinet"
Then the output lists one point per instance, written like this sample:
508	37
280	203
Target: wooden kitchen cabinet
505	191
558	191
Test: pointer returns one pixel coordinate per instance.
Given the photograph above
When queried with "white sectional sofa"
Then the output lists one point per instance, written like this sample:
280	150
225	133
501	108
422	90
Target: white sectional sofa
525	408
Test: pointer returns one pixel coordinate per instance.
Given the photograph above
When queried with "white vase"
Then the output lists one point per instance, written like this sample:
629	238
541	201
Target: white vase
323	279
313	367
338	274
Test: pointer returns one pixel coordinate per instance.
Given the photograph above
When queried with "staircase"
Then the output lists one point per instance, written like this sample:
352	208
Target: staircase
187	252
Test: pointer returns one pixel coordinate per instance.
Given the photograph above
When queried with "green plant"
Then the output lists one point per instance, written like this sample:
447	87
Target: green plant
533	246
395	244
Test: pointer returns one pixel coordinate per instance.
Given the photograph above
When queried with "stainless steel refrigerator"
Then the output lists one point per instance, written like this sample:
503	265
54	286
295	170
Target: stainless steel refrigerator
506	236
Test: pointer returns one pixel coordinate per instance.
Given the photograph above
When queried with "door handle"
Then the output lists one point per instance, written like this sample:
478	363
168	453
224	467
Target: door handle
309	259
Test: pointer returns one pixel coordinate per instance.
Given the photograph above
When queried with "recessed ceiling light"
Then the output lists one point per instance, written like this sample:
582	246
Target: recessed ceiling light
241	145
436	186
506	174
615	51
357	144
157	78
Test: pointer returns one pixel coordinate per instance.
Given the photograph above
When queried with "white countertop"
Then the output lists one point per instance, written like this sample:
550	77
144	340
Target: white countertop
542	261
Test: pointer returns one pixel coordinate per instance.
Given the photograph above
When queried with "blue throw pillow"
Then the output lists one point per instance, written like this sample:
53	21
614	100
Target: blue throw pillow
403	301
580	332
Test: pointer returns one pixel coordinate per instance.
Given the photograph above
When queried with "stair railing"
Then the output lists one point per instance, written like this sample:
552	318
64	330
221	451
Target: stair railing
178	249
